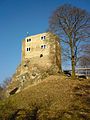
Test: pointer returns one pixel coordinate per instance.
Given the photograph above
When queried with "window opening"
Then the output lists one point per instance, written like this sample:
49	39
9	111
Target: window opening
44	37
25	65
41	38
44	46
41	55
41	46
29	49
29	39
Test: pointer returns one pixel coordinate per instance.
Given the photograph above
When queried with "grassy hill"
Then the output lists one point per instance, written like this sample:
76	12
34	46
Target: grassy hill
55	98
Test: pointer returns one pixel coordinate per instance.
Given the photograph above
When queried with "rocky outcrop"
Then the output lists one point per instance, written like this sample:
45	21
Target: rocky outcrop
31	74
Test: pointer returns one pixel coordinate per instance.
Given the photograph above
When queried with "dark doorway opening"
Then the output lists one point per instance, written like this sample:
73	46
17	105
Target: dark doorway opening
13	91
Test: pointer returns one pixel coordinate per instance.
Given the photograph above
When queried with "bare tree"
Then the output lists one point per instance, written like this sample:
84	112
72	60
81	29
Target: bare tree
72	24
6	82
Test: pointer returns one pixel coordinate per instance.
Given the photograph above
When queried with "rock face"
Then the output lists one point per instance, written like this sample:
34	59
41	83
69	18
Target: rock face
41	56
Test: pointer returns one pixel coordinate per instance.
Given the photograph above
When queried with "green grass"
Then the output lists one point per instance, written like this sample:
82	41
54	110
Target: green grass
55	98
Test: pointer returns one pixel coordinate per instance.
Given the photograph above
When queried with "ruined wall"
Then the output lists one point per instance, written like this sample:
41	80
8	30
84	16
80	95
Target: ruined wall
55	52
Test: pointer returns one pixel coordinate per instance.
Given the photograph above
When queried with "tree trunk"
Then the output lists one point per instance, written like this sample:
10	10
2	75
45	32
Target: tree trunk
72	58
73	66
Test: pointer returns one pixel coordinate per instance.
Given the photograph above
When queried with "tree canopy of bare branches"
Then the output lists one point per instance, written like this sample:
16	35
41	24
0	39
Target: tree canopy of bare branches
72	25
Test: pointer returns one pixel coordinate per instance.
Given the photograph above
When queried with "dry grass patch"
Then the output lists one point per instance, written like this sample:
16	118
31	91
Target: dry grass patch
52	99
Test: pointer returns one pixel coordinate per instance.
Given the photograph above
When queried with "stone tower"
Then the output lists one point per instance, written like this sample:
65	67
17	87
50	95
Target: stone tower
42	50
41	57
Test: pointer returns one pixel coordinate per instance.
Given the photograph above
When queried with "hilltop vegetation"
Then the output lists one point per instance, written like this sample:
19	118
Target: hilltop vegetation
55	98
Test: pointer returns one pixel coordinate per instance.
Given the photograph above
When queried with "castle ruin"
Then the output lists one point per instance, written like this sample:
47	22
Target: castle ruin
41	56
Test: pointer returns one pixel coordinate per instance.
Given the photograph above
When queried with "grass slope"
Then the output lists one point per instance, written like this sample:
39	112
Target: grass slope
55	98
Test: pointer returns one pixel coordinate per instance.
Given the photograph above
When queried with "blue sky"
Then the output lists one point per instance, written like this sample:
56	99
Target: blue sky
17	17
